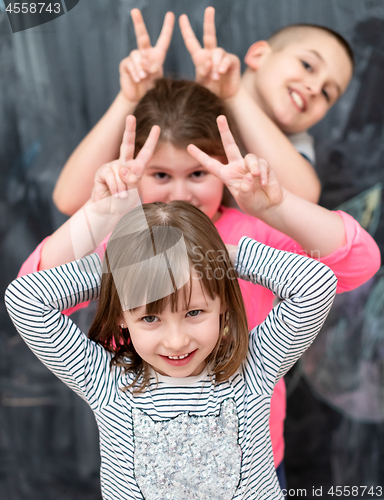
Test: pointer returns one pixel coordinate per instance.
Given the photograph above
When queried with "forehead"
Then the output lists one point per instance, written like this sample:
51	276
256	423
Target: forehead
327	49
167	155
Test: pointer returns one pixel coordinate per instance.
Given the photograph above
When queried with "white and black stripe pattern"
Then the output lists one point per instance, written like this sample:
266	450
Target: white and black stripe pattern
307	288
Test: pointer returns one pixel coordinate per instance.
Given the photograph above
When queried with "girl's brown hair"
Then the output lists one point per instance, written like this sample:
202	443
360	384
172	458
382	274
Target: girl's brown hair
186	113
142	250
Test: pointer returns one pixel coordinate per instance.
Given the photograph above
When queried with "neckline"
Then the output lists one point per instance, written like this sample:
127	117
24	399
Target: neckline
183	381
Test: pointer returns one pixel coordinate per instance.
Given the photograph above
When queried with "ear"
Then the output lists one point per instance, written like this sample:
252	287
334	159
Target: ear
256	54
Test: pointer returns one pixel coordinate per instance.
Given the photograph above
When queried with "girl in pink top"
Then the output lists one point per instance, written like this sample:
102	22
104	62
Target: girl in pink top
186	113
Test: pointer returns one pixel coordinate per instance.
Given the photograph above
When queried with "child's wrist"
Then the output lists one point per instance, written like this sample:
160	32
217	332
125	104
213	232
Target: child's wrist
272	213
129	104
232	101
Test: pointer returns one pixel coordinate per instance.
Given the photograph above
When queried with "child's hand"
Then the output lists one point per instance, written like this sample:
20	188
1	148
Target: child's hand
250	180
117	182
143	66
216	69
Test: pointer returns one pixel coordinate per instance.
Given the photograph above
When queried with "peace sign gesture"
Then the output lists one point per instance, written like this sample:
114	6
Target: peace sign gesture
144	65
117	182
250	180
215	68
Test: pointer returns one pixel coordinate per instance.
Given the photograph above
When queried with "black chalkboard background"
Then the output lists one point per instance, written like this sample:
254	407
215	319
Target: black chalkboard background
56	81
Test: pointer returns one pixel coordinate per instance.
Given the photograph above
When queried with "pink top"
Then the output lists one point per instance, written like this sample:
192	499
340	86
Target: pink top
353	264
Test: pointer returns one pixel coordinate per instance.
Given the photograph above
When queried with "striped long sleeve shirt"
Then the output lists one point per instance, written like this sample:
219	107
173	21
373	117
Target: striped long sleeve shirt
186	438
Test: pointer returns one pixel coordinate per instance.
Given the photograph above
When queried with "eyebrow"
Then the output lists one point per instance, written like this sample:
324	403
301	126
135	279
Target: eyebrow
164	169
317	54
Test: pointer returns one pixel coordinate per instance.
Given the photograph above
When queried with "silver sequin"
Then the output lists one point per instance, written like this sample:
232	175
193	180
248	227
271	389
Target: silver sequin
189	457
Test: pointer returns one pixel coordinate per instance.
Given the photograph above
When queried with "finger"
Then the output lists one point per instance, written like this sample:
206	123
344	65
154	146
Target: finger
142	38
230	146
252	164
137	61
122	187
128	144
229	63
224	65
132	70
108	178
203	70
146	152
213	166
246	185
209	29
166	32
189	37
264	168
217	57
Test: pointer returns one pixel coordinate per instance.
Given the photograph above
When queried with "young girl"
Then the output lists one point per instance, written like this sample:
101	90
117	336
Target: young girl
180	393
186	113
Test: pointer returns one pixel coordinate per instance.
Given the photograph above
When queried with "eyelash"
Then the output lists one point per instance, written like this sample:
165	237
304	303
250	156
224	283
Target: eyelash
149	322
187	315
194	310
161	176
325	93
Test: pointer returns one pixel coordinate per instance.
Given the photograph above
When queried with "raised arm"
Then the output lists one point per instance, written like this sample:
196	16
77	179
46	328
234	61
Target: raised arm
137	75
34	303
220	72
258	192
307	289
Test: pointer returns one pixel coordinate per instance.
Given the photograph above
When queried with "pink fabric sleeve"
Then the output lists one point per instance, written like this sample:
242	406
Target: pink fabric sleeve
31	265
358	260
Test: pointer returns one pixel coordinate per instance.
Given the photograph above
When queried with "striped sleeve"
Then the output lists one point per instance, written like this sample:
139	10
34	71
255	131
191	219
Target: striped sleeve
35	302
307	289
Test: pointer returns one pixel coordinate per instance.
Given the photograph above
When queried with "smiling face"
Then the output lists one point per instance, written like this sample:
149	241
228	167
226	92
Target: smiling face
172	174
177	343
297	84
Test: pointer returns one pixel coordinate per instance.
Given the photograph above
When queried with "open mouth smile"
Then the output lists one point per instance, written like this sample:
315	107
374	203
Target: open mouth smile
181	360
297	99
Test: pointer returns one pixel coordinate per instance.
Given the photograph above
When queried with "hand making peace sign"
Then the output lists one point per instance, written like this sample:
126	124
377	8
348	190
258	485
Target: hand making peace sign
215	68
118	180
250	180
144	65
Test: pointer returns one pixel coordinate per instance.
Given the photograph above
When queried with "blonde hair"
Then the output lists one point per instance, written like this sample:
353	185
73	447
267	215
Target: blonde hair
207	257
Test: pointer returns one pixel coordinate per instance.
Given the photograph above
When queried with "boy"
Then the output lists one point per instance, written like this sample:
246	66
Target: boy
290	83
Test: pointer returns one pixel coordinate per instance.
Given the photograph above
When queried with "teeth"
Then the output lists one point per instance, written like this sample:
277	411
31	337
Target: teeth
178	357
298	100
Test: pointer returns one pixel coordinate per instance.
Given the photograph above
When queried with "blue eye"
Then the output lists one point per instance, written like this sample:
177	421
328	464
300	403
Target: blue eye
194	313
306	65
150	319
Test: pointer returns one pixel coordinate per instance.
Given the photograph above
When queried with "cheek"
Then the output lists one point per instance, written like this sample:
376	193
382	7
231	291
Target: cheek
210	193
142	343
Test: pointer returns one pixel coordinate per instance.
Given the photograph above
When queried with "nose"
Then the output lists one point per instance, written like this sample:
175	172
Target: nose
180	191
176	340
313	86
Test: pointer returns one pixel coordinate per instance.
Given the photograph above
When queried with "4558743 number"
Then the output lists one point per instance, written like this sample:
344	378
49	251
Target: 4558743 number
354	491
33	8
